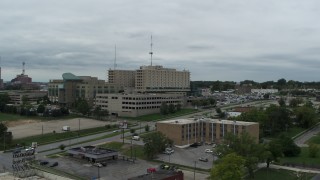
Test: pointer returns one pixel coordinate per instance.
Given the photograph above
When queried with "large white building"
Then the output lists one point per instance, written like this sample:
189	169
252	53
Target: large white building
132	105
159	79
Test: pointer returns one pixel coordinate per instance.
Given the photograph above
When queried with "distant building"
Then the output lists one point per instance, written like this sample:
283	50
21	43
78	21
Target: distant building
122	78
30	96
187	131
156	79
133	105
71	88
23	81
264	91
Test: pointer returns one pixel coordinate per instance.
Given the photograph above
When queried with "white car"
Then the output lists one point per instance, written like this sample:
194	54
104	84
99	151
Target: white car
168	151
98	164
137	138
208	151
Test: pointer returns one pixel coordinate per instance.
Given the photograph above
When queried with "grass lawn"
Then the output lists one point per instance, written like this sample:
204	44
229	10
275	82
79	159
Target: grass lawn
293	131
158	116
315	139
267	174
11	117
52	137
16	117
302	159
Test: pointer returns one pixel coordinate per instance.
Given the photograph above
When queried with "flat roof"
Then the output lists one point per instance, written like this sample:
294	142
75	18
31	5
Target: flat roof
93	150
70	76
209	120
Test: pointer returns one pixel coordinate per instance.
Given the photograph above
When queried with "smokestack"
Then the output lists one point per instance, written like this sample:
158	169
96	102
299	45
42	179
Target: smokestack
23	65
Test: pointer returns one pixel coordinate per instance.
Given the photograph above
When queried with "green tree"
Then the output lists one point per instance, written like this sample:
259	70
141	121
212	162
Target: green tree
155	143
179	107
289	148
171	108
313	150
229	168
305	116
4	99
40	108
282	102
132	131
164	108
147	128
274	148
6	137
244	146
83	107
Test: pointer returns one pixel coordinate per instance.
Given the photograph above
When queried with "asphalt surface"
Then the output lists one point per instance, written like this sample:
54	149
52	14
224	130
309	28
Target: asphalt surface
301	140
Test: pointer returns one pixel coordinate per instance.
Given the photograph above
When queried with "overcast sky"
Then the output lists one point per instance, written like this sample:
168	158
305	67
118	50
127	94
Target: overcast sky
213	39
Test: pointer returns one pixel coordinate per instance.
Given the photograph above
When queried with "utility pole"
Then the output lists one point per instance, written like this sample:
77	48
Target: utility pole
131	148
122	135
194	173
4	141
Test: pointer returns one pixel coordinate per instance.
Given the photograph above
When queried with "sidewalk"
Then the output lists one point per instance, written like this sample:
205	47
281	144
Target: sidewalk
316	171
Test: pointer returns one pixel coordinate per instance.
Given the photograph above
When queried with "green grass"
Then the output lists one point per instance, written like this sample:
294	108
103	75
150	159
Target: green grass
11	117
16	117
315	139
302	159
137	151
54	137
267	174
293	131
113	145
158	116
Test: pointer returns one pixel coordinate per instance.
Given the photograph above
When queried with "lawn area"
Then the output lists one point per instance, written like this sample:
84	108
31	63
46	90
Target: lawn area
267	174
158	116
11	117
125	149
52	137
293	131
315	139
302	159
16	117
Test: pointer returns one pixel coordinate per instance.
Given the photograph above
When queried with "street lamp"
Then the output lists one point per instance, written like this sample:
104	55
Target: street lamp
194	173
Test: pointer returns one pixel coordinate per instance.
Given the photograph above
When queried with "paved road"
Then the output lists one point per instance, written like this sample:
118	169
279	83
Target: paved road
301	140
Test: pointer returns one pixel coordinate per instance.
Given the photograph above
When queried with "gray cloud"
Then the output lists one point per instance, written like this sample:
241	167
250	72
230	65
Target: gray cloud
214	39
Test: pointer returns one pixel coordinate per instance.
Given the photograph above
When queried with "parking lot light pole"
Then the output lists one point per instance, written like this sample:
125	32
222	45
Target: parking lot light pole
194	173
4	141
131	148
98	173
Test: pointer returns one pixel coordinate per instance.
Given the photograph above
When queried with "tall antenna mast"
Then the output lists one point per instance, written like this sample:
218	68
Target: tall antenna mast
151	53
115	57
23	65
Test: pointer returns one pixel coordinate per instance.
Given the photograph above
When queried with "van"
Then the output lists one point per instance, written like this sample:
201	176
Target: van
137	138
65	128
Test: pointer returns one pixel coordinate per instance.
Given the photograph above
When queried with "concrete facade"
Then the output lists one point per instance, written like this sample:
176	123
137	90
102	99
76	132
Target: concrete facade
132	105
159	79
72	87
188	131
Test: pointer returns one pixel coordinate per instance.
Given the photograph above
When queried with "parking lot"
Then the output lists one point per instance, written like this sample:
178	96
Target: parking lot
190	156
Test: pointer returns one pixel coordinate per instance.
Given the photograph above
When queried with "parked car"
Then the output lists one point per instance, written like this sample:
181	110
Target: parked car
194	145
43	163
203	159
168	151
98	164
54	164
103	163
137	138
208	151
115	131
